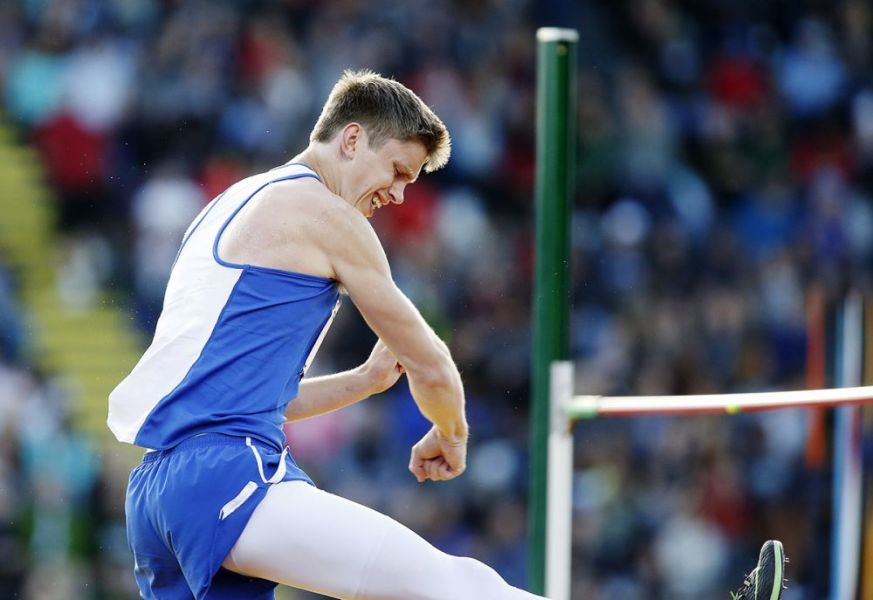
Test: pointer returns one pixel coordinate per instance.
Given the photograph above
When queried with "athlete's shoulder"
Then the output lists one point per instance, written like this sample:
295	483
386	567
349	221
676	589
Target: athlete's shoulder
302	189
304	193
323	209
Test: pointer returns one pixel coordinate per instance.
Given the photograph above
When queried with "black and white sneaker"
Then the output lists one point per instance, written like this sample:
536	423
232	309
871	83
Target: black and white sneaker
766	581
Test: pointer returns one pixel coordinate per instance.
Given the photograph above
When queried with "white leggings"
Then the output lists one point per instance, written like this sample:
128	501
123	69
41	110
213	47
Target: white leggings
307	538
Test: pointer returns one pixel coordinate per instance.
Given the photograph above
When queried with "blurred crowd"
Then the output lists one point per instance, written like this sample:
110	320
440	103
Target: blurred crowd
725	165
61	513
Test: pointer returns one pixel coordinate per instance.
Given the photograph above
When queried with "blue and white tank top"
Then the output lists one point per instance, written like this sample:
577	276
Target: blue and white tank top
232	341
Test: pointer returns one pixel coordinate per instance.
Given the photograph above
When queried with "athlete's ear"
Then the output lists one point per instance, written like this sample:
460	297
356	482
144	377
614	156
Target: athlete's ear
351	138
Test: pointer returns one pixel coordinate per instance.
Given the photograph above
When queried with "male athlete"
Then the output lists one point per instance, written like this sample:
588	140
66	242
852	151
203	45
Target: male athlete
218	509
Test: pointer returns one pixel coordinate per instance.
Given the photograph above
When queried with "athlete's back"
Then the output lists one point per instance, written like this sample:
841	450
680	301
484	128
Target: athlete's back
232	340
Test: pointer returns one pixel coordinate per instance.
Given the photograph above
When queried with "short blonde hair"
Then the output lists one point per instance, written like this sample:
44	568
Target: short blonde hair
387	110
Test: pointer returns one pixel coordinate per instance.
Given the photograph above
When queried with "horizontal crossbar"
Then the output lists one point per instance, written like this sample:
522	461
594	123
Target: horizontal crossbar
587	407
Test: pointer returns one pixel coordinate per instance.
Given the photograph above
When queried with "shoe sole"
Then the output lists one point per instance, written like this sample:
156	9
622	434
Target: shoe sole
778	570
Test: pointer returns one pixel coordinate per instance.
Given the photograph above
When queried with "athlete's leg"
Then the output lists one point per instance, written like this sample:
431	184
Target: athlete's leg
310	539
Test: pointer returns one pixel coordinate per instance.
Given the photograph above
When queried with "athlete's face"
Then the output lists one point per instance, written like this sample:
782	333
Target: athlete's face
378	176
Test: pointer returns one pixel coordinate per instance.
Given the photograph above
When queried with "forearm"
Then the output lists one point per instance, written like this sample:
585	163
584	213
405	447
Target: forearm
319	395
433	377
441	401
436	386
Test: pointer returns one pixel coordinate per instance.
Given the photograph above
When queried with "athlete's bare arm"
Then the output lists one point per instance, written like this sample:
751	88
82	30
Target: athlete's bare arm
360	264
319	395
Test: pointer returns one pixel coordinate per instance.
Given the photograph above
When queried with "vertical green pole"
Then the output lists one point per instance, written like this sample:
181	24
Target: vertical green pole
556	94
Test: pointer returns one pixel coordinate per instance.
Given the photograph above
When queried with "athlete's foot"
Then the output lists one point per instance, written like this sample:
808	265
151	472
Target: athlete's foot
766	581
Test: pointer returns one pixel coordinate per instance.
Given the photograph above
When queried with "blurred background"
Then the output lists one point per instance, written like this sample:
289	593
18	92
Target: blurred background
725	166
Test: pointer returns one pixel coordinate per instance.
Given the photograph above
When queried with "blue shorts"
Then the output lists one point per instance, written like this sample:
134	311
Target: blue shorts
187	506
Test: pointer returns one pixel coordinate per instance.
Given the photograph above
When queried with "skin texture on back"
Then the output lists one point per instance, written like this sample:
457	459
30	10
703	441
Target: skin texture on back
281	226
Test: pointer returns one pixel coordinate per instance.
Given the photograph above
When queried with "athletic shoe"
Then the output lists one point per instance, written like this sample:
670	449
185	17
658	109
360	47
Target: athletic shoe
766	581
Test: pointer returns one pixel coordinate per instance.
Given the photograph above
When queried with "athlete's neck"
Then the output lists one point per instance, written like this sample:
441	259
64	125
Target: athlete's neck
317	157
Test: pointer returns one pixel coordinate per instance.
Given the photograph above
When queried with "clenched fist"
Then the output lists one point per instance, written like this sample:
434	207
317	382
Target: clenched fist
438	459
